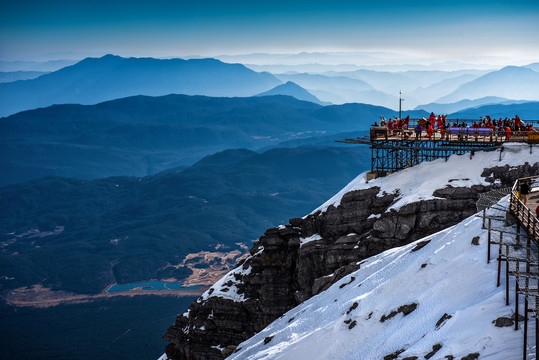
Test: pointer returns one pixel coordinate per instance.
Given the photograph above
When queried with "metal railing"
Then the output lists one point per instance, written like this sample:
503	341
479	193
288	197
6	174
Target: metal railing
454	134
520	257
525	215
469	122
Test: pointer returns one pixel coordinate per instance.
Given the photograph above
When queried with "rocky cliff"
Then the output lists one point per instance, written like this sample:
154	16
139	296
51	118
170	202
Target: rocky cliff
291	263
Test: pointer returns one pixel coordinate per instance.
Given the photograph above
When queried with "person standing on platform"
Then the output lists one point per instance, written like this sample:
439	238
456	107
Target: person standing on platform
418	130
524	191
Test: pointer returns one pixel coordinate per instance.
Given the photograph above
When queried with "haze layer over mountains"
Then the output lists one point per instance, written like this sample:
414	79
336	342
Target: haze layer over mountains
94	80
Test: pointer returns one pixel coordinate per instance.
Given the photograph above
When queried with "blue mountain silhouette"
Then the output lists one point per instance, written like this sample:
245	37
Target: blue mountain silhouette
94	80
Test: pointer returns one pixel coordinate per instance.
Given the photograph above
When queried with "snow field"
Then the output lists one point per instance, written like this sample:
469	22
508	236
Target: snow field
456	280
419	182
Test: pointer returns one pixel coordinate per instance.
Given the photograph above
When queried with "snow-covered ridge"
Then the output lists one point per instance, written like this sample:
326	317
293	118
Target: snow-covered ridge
226	287
419	182
444	275
308	255
314	237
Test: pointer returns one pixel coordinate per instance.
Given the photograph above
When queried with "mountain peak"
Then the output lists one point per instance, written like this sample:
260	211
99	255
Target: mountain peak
509	82
94	80
516	69
290	88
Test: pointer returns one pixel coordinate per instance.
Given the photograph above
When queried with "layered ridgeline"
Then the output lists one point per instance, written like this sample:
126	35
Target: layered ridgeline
292	263
143	135
94	80
292	89
508	82
81	236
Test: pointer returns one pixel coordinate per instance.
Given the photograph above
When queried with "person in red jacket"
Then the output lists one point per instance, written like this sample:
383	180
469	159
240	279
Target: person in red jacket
508	132
430	129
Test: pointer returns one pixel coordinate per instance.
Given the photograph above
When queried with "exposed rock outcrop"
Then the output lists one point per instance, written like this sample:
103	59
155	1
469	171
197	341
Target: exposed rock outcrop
292	263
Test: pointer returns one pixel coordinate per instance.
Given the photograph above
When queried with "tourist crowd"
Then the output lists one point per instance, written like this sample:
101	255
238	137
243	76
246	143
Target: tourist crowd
441	124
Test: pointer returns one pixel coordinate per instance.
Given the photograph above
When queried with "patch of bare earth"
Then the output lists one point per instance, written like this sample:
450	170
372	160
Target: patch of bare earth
42	297
216	264
207	267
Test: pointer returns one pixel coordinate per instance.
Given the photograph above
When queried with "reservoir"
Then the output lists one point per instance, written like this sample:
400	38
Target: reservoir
149	285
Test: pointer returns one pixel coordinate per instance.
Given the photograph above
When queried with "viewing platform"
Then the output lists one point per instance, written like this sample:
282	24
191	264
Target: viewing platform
394	149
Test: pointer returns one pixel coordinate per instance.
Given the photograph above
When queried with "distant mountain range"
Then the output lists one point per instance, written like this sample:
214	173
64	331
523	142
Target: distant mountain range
416	86
46	66
143	135
466	104
420	87
292	89
124	229
533	66
341	89
526	111
9	76
441	88
94	80
511	82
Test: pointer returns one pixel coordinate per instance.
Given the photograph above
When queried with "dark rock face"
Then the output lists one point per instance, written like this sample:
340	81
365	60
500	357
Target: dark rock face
394	355
284	272
472	356
404	309
503	322
435	349
442	320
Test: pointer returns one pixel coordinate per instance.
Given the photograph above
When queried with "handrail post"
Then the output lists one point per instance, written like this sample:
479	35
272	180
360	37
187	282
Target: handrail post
488	238
500	258
506	275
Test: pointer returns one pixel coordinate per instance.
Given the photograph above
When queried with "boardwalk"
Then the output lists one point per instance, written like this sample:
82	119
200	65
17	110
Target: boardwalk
533	199
525	213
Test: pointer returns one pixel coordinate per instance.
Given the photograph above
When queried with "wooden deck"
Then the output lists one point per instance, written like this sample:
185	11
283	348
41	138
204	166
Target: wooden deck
533	199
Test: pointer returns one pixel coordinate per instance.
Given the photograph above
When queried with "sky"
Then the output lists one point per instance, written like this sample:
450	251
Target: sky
45	30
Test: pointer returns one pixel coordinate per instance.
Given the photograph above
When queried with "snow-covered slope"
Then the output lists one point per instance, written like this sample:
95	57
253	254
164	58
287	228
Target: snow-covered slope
449	275
419	182
442	295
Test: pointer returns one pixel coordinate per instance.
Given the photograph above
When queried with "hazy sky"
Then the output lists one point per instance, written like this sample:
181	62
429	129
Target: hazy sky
39	29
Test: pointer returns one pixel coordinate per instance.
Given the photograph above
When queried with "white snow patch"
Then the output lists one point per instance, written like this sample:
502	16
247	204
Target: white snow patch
419	182
226	287
304	241
163	357
374	216
260	249
457	281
